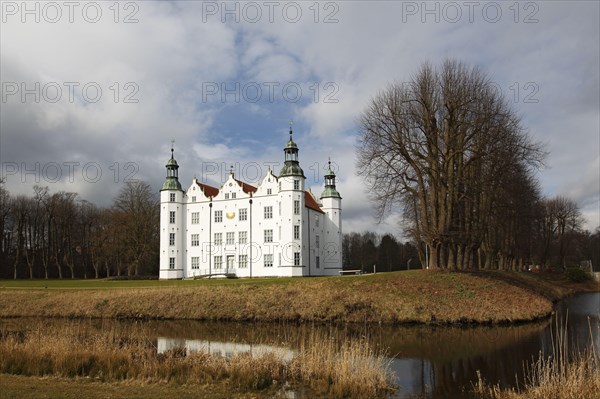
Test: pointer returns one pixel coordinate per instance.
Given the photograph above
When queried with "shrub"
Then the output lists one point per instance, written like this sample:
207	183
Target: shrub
578	275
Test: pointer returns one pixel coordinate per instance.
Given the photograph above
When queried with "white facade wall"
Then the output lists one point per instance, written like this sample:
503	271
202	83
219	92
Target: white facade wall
332	234
172	253
289	239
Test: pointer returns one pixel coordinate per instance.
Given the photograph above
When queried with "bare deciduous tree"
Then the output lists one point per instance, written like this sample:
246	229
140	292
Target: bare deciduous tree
442	147
561	222
138	209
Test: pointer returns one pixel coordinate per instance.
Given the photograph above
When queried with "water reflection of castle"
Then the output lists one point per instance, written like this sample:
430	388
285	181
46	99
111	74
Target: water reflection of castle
225	349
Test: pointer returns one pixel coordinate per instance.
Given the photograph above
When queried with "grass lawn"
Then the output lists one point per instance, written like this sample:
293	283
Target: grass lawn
416	296
106	283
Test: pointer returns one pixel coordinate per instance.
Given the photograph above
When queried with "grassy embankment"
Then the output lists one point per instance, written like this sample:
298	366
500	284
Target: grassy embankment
390	298
115	356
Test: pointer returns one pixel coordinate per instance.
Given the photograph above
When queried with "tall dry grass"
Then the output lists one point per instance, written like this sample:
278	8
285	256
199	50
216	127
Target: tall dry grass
562	375
349	369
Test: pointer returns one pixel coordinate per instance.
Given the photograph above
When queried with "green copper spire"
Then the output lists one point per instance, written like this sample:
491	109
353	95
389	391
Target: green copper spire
330	191
172	181
291	167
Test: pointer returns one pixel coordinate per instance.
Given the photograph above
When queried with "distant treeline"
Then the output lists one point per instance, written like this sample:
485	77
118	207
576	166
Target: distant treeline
362	251
59	235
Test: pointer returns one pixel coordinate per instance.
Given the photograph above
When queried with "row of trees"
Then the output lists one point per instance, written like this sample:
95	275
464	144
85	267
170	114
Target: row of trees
51	235
59	235
448	150
362	251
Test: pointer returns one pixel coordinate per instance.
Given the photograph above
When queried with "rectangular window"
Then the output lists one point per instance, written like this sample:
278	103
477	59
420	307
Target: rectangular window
317	221
318	261
243	214
218	238
296	184
296	232
171	238
269	235
243	261
218	216
269	191
230	238
226	195
296	258
195	262
195	240
233	195
171	263
172	217
193	198
296	207
195	217
317	241
172	197
268	212
268	260
218	262
243	237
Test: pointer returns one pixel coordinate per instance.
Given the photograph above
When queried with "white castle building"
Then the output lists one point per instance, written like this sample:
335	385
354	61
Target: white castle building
275	229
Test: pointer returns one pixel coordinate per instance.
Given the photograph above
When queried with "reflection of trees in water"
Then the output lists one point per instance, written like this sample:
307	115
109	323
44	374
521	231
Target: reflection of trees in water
582	313
447	343
450	357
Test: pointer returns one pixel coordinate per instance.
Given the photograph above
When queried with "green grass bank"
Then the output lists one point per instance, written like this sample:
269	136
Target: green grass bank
402	297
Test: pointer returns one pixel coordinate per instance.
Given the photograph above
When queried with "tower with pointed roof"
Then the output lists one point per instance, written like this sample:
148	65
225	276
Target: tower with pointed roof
291	167
172	259
293	209
332	206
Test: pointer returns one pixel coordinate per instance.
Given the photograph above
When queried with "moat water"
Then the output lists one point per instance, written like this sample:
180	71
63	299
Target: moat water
427	362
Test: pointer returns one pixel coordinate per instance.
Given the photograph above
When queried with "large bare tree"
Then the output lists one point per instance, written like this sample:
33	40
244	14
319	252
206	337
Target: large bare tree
560	224
138	210
442	147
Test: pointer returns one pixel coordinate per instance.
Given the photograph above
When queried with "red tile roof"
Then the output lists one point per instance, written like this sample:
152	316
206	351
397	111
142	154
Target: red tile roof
246	187
309	199
209	191
311	202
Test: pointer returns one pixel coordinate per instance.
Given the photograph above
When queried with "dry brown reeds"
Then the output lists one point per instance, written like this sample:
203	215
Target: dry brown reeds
349	369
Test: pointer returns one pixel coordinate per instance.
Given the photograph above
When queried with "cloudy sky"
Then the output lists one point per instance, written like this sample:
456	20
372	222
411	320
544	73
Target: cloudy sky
94	92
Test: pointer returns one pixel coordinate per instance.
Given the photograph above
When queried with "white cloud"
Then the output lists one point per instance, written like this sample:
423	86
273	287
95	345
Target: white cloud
175	50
